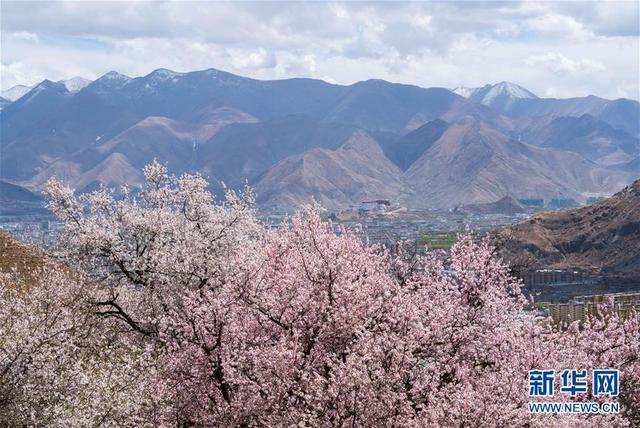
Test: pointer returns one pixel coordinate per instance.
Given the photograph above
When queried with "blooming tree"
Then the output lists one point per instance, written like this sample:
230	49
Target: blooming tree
59	364
306	326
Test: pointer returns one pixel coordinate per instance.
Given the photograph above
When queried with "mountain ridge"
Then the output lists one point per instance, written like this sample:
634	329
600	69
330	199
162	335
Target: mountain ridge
234	129
16	92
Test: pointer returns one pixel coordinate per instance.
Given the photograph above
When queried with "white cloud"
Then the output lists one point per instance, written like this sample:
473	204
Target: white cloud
24	36
541	45
422	22
561	64
556	25
258	59
18	73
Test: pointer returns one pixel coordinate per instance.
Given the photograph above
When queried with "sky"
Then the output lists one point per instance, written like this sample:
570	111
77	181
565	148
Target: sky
555	49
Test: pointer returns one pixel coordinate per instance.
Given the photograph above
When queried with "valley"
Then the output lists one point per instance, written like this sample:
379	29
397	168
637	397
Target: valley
395	162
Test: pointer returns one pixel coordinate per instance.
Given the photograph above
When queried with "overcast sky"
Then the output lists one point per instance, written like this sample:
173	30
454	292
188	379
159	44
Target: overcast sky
556	49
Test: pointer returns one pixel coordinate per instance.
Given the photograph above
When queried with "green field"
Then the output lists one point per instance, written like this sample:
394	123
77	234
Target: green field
437	240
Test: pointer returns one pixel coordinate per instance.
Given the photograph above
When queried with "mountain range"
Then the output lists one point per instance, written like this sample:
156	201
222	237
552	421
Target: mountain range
295	140
73	85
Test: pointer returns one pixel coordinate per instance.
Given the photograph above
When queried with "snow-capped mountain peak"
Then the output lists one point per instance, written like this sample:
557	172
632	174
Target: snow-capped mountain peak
504	92
75	83
114	76
501	95
46	86
162	74
112	79
15	92
506	88
463	91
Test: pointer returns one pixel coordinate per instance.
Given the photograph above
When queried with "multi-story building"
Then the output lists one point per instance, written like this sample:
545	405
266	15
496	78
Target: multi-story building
553	276
582	306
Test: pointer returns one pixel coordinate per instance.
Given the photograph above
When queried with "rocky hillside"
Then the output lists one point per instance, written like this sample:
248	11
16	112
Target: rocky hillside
474	163
603	237
355	172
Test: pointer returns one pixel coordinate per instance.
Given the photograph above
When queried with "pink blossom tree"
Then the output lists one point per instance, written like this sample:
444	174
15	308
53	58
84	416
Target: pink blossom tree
305	326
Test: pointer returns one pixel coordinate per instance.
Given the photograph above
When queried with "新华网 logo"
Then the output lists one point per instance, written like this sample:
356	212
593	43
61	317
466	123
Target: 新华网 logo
573	382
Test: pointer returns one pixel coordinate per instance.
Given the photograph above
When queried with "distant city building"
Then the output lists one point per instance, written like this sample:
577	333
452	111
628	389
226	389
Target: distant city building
553	276
579	308
375	206
377	202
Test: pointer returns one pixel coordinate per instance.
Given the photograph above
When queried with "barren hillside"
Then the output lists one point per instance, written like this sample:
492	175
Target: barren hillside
603	237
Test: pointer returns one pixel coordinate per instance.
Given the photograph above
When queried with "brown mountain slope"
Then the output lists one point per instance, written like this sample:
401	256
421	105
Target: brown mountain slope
120	160
356	171
19	258
602	237
586	135
474	163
